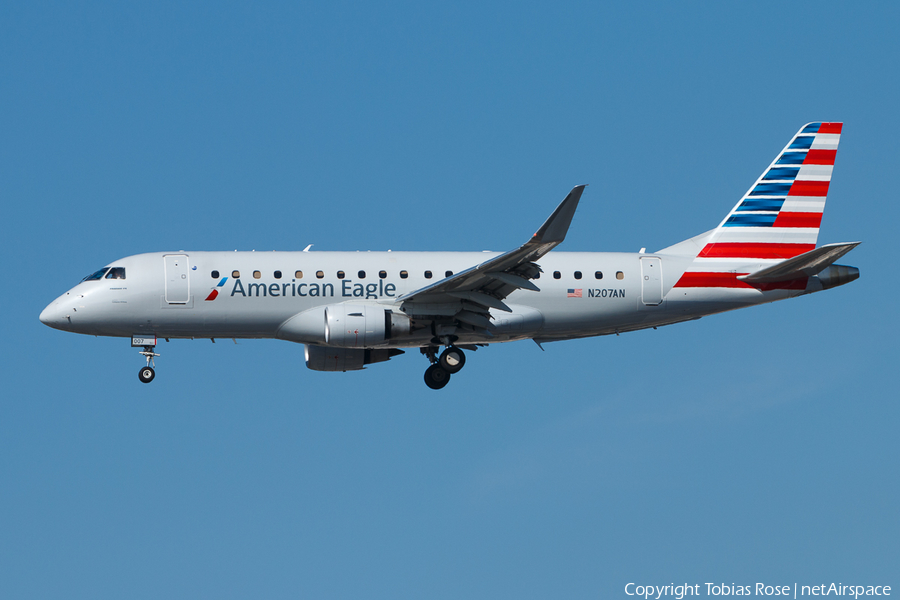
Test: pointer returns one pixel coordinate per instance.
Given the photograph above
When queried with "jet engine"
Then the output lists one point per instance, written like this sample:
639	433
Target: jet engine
346	326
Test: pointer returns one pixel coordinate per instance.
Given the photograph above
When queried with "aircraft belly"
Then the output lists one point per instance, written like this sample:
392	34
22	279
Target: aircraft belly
206	319
706	301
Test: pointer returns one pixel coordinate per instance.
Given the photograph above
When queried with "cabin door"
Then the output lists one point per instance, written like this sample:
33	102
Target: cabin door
651	281
178	279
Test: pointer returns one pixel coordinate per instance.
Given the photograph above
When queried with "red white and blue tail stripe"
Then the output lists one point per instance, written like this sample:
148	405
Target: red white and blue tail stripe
779	216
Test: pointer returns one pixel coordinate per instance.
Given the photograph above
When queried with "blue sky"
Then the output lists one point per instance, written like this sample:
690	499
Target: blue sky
757	446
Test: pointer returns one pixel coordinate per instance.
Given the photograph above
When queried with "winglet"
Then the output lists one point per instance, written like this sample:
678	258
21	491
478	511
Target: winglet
554	229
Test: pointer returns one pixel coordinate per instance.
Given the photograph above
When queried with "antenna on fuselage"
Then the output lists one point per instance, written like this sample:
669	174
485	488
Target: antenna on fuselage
307	248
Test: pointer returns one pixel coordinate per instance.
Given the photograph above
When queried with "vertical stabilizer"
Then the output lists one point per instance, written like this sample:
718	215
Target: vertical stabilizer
780	214
777	219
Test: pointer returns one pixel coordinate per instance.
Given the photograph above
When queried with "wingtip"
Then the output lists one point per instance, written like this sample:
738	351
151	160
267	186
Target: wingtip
555	227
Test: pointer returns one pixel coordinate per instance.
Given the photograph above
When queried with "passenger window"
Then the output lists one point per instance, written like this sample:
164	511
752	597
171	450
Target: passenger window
577	274
556	275
404	274
361	274
236	274
298	274
320	274
340	274
382	274
116	273
214	274
427	274
256	274
598	274
448	273
277	274
620	275
98	275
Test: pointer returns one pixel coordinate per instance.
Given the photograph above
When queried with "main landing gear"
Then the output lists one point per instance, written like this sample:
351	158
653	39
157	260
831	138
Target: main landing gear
450	361
436	377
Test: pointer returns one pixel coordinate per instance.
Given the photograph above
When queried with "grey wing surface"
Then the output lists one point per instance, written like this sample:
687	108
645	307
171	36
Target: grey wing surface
467	296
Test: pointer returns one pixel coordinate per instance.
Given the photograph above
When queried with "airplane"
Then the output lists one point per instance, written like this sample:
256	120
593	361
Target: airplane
352	309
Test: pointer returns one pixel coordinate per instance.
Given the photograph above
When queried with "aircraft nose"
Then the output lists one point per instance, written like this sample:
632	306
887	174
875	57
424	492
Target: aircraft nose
47	314
53	316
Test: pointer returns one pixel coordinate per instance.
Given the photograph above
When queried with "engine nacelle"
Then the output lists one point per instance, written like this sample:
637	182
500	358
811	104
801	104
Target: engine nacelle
345	325
322	358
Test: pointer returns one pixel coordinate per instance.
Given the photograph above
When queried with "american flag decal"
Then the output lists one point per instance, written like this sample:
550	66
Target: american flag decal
574	293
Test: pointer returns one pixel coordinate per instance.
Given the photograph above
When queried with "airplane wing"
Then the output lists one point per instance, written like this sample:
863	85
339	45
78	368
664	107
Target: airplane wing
802	265
466	296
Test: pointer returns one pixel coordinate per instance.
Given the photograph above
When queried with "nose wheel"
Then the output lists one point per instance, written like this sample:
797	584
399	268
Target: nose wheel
146	374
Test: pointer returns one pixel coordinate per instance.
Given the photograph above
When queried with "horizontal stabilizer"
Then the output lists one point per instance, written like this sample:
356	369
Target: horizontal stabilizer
803	265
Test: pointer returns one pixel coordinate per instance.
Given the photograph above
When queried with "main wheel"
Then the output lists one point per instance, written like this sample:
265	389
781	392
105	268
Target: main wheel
146	374
436	377
452	359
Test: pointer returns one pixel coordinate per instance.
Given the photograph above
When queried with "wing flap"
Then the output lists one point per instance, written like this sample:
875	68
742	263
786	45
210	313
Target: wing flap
482	299
514	280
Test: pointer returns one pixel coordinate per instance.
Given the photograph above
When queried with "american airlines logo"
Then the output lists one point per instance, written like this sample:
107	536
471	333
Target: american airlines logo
215	293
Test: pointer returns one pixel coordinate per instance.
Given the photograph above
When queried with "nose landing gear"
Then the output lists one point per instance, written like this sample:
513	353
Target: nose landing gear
146	374
148	343
451	361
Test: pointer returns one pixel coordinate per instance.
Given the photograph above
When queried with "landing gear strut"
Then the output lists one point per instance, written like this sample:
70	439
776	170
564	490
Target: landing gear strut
451	361
146	374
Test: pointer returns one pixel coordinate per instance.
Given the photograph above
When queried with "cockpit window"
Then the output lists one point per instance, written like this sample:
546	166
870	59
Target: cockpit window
98	275
116	273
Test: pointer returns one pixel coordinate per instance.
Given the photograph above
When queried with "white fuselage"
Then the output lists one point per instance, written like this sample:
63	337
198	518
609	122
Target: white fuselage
255	293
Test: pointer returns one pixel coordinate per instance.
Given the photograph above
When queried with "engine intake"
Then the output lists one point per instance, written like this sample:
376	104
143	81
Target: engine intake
354	326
